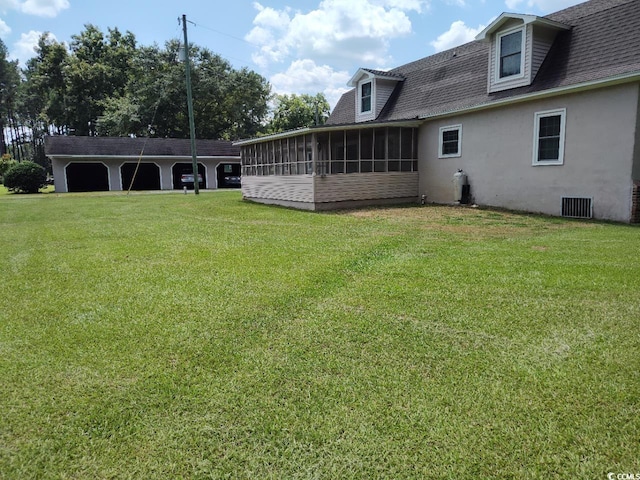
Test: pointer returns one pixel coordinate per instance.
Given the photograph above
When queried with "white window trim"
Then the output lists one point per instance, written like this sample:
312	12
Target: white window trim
360	111
450	128
536	132
498	78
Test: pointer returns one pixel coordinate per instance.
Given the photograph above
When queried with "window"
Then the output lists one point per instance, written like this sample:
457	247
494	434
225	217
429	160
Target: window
365	97
548	137
510	54
366	150
450	144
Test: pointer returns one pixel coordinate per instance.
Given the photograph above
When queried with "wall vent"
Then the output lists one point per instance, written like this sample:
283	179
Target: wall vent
577	207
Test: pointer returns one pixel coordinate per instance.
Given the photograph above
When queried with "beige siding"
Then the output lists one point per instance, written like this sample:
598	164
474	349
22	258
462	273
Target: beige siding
366	186
364	117
497	155
494	85
384	89
295	188
381	90
542	40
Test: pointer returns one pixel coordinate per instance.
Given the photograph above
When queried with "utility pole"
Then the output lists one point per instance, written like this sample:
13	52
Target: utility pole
192	126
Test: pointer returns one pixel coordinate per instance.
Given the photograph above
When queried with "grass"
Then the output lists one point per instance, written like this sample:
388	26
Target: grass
173	336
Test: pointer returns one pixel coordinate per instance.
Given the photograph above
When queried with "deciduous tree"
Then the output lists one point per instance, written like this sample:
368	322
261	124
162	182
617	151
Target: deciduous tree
297	111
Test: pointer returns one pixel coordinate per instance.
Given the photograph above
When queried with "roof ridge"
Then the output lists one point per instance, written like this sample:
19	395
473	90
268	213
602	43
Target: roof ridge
587	11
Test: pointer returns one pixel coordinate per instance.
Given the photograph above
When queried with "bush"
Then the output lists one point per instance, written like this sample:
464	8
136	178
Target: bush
26	177
5	162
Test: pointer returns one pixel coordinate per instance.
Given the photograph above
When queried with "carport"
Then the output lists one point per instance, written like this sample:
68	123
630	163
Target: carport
184	168
87	177
109	163
228	175
147	176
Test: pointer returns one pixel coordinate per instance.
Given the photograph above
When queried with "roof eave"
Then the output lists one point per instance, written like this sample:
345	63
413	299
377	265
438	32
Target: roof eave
137	157
328	128
494	26
363	71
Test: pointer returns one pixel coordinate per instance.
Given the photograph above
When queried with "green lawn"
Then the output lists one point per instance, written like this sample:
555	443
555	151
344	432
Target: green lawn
175	336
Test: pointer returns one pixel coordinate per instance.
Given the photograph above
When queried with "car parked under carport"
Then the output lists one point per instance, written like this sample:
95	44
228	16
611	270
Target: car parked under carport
112	163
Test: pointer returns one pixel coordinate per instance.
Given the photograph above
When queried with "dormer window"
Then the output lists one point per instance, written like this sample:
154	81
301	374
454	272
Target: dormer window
518	46
365	97
373	88
510	47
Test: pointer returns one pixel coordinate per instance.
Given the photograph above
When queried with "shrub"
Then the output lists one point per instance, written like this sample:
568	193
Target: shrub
5	162
26	177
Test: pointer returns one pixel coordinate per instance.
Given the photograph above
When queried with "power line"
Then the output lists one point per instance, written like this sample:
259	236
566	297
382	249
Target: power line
226	34
229	57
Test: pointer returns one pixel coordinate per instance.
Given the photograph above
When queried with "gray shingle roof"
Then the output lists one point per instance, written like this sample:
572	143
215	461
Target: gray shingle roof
602	43
125	146
384	73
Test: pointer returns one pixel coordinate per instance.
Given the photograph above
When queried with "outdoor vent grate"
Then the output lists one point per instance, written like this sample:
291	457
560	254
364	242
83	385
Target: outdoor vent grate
577	207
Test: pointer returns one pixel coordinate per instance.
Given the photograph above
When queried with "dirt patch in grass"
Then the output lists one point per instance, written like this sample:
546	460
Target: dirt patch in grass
468	221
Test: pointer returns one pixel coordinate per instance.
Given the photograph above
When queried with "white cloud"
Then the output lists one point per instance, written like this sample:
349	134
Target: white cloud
4	29
44	8
9	5
40	8
457	34
271	18
305	76
544	6
406	5
24	49
340	31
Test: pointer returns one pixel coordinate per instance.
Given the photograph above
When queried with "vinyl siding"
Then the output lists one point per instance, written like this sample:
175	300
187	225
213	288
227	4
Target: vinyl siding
384	89
364	117
366	186
497	86
295	188
381	91
542	40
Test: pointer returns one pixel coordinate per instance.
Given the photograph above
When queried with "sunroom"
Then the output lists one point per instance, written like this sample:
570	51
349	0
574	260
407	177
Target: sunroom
323	168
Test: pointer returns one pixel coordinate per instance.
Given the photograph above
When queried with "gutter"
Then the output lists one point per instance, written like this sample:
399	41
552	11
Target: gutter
136	157
329	128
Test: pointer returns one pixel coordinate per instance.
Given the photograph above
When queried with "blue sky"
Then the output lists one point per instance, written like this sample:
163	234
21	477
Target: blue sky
302	46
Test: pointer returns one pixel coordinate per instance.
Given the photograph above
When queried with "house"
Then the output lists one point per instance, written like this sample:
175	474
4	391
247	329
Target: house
82	164
540	113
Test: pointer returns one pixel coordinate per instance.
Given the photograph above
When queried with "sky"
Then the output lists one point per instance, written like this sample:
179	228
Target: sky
302	46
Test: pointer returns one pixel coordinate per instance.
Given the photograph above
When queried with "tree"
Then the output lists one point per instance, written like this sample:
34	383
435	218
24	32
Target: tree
25	177
45	92
107	85
247	104
43	97
297	111
98	69
9	84
121	117
227	103
5	163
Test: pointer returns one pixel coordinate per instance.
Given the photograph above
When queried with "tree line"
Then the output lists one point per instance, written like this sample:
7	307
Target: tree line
108	85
